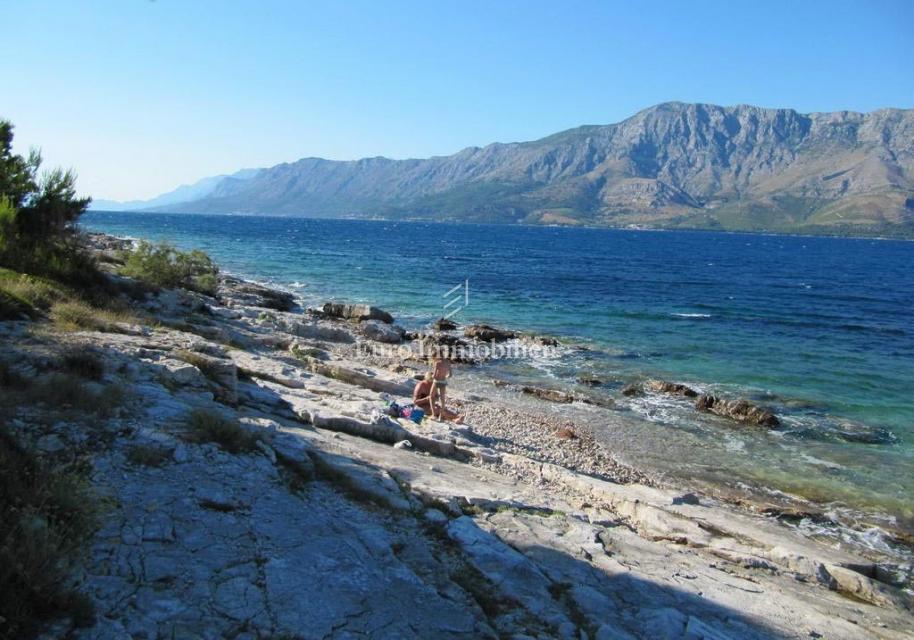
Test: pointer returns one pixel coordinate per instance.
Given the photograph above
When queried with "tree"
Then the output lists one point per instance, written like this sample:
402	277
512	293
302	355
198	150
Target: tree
37	215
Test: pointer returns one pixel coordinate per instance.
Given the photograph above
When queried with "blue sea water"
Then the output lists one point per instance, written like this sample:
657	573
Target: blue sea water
820	329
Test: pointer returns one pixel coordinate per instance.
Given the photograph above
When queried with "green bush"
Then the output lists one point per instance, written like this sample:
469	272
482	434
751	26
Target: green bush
46	518
162	265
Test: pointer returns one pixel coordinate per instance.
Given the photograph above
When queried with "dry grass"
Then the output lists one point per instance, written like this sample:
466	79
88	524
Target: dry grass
204	363
67	392
210	426
75	315
33	292
83	361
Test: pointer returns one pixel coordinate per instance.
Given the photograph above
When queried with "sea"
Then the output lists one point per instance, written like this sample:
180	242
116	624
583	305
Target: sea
820	330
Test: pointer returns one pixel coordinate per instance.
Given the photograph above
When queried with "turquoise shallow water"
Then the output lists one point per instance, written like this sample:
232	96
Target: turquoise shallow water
819	328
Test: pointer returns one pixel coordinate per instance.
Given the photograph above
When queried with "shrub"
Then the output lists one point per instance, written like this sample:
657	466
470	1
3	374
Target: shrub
210	426
46	518
83	361
148	455
9	377
162	265
62	391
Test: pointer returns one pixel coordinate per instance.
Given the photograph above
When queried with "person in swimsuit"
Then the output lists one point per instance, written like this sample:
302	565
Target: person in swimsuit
422	399
441	371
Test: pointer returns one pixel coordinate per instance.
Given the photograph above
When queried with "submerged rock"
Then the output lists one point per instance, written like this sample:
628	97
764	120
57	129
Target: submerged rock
551	395
740	410
357	312
632	389
589	381
487	333
853	431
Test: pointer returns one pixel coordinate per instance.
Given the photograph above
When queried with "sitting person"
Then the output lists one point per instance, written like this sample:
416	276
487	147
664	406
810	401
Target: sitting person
422	399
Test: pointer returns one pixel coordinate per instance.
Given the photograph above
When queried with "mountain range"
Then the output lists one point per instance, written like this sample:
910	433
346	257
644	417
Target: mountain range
674	165
184	193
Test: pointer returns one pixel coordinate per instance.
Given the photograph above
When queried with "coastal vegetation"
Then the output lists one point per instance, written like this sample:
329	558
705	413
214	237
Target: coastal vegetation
38	216
162	265
47	510
47	514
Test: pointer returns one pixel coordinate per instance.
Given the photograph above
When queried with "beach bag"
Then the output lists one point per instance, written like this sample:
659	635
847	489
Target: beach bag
416	415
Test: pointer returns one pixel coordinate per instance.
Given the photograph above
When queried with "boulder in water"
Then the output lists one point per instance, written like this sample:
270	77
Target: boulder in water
455	348
671	388
487	333
740	410
444	324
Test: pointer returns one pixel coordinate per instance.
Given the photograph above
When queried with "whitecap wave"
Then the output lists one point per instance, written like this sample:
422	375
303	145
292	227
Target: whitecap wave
691	315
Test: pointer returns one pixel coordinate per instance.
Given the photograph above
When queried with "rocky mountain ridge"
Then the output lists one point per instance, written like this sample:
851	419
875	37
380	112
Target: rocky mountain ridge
674	165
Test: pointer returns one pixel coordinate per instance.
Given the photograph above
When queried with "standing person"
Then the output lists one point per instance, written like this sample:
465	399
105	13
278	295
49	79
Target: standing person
441	371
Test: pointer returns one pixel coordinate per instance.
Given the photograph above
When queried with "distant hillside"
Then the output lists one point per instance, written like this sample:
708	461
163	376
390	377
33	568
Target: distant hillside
674	165
184	193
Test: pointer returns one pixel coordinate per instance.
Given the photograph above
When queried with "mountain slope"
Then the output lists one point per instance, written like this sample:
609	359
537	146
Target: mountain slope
672	165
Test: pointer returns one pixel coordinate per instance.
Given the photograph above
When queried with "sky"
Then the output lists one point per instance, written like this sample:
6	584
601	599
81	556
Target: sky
140	96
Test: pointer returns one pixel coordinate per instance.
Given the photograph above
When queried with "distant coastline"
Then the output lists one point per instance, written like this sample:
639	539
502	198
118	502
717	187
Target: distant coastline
908	237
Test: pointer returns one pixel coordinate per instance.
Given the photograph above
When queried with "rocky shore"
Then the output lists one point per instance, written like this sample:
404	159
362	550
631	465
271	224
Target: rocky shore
254	490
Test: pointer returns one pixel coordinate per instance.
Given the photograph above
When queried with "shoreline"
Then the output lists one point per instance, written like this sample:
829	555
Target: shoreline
503	523
827	520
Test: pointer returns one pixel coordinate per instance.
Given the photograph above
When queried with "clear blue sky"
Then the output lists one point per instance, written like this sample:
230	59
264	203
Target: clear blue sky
140	96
